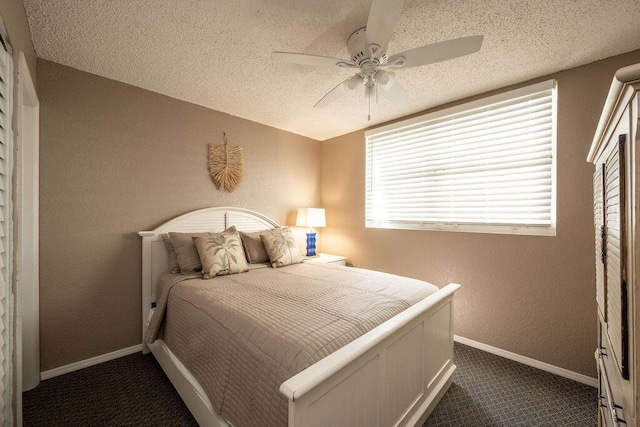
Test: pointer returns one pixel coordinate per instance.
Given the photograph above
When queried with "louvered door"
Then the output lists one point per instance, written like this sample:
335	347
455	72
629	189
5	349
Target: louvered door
6	92
611	281
598	216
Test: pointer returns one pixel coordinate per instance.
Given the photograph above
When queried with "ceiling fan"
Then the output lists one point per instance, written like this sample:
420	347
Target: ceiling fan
368	50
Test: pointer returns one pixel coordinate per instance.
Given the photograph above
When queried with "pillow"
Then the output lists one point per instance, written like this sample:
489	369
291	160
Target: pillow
173	259
186	252
253	247
281	247
221	254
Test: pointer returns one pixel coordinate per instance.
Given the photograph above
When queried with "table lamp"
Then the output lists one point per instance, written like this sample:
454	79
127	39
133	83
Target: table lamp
311	217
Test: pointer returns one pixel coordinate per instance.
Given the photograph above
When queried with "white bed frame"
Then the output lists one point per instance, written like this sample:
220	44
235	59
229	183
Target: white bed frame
393	375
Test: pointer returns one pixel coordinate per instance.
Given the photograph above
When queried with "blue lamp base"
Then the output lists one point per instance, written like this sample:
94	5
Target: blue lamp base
311	244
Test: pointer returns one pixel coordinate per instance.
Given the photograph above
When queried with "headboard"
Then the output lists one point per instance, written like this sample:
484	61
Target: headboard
154	253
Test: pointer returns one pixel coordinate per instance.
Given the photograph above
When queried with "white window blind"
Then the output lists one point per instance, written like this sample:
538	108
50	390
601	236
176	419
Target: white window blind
6	94
486	166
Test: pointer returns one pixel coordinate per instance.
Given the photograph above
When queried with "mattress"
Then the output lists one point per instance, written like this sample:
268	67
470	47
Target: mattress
243	335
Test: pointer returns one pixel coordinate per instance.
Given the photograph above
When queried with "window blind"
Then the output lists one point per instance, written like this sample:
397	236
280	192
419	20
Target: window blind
483	166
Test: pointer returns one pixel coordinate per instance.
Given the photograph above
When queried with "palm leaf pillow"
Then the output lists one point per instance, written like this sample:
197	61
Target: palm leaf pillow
221	254
186	252
281	247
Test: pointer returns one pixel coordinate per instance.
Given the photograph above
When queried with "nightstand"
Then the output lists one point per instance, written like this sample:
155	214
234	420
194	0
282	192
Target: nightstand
327	259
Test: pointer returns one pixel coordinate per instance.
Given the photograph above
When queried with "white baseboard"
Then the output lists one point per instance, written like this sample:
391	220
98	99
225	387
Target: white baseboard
45	375
593	382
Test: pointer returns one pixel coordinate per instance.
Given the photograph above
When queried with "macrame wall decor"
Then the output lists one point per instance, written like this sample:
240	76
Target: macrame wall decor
225	165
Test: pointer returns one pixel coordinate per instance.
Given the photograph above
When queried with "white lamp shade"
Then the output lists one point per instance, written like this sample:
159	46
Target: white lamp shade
311	217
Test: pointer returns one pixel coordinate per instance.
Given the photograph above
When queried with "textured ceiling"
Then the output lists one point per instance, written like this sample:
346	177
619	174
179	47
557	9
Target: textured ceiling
216	53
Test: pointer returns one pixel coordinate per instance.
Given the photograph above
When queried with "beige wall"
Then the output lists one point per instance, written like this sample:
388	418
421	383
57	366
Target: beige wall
533	296
116	159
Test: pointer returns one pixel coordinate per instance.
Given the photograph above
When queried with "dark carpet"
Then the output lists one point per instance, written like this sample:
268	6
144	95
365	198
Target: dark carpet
487	391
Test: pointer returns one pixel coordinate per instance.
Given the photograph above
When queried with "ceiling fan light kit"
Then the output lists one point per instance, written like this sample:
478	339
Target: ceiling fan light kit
353	82
367	49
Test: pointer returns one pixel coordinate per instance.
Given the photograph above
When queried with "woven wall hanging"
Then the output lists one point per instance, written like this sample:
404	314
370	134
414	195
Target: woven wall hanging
225	165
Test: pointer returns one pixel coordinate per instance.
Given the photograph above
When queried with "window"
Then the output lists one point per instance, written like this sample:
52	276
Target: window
486	166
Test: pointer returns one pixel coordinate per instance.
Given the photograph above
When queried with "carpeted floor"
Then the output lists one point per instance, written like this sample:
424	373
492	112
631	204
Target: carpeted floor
487	391
129	391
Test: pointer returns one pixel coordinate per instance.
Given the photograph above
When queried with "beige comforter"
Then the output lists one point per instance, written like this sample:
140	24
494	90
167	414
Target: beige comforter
243	335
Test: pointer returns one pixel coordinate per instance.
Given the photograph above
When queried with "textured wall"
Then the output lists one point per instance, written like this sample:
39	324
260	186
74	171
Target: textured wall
530	295
114	160
117	159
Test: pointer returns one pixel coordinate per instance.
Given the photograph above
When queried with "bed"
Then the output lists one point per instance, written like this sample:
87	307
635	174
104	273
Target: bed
392	374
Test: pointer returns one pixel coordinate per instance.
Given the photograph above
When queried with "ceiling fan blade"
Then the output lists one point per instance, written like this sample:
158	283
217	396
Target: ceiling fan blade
437	52
348	85
333	95
394	92
383	17
316	60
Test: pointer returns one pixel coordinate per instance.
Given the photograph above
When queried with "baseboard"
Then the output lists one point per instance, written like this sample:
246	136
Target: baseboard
45	375
593	382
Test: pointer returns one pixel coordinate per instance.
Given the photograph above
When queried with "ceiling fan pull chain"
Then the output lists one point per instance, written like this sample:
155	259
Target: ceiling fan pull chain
369	88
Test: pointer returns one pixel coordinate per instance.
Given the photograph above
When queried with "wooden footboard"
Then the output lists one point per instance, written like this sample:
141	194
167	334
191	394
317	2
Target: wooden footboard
393	375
